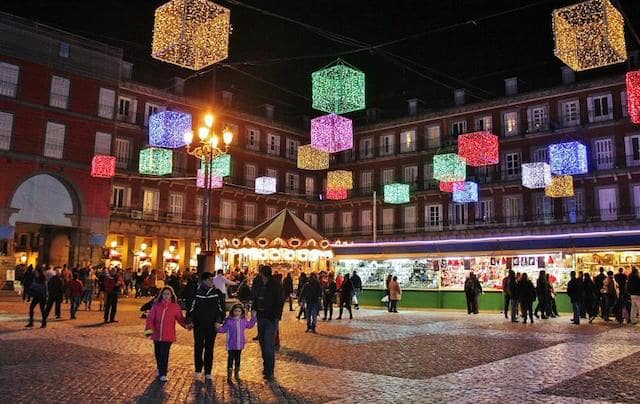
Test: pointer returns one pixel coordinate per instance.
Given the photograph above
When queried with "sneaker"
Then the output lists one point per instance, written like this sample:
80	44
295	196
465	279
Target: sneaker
208	376
163	378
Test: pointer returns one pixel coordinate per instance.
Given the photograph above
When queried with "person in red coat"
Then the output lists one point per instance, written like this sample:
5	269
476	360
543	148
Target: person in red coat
76	289
161	326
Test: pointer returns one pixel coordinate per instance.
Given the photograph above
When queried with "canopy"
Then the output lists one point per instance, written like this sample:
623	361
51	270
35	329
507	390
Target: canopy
284	225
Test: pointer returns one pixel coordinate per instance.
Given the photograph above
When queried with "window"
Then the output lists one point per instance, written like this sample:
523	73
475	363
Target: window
120	197
570	113
64	49
292	183
433	137
176	207
623	103
409	218
635	190
311	219
150	203
484	211
270	212
484	123
6	129
410	176
273	173
328	221
387	145
574	207
511	165
250	172
608	203
249	215
388	175
632	150
366	220
347	221
366	148
600	108
510	123
542	208
604	154
227	212
366	181
512	206
59	95
539	155
292	149
127	109
458	214
253	139
387	220
198	208
151	109
122	150
106	101
273	144
309	186
102	144
9	79
433	217
538	118
179	161
54	140
407	141
458	128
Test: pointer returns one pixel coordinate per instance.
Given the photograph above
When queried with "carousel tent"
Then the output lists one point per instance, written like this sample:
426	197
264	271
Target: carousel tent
284	225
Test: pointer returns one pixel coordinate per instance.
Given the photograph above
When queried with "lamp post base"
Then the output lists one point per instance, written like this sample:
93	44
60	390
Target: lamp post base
206	262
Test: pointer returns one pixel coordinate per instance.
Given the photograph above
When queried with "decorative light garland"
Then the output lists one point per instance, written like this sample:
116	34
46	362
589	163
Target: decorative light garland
216	182
561	187
155	161
332	133
465	192
397	193
266	185
191	33
479	148
103	166
449	167
338	89
310	158
589	35
336	194
340	179
568	158
633	95
167	129
536	175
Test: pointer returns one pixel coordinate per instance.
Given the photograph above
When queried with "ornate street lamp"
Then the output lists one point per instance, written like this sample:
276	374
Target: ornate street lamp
206	151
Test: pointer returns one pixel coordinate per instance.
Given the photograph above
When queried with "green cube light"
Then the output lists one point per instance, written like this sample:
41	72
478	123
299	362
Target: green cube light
396	193
338	89
155	161
449	167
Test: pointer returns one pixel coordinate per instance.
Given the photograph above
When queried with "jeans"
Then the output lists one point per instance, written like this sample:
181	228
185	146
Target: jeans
233	356
110	306
576	312
393	306
311	312
88	297
161	349
75	303
328	307
54	300
204	338
635	308
38	301
267	337
514	309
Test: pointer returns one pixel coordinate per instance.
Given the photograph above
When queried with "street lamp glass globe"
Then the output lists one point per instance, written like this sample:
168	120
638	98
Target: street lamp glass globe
203	133
227	136
208	120
214	141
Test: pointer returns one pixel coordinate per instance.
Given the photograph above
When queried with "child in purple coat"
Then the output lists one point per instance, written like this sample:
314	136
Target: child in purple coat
234	326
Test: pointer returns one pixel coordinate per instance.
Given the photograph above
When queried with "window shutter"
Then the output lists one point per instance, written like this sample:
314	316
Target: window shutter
6	127
133	109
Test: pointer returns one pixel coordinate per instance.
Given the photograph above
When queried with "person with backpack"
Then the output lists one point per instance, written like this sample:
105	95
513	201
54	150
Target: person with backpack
38	294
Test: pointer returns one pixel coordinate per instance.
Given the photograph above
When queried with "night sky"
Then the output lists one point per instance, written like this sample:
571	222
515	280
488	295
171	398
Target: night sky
451	44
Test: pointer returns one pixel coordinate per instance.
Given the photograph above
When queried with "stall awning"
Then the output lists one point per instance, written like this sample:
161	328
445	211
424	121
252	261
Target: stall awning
284	225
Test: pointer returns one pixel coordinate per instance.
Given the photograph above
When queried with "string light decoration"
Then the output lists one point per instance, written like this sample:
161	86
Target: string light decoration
155	161
397	193
568	158
191	33
448	186
216	182
338	89
449	167
340	179
266	185
220	166
167	129
332	133
310	158
103	166
336	194
536	175
479	148
465	192
633	95
561	187
589	35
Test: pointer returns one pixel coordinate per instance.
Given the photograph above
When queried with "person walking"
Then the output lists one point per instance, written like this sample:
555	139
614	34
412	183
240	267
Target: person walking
623	307
287	285
357	289
88	283
56	293
38	295
268	304
386	289
512	290
542	290
574	293
311	294
329	295
27	278
302	280
553	309
506	294
77	289
395	294
633	289
526	295
221	283
346	292
234	326
113	284
206	314
161	326
591	297
610	292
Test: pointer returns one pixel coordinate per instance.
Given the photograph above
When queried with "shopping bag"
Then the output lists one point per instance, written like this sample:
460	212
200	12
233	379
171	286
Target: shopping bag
354	300
385	299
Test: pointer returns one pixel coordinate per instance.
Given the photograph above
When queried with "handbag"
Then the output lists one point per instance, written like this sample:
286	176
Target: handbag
385	299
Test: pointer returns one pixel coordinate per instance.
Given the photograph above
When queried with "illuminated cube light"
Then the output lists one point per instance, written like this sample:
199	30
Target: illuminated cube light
220	166
167	129
336	194
633	95
449	167
331	133
479	148
448	186
561	187
338	89
266	185
536	175
310	158
191	33
103	166
216	182
340	179
465	192
155	161
589	35
397	193
568	158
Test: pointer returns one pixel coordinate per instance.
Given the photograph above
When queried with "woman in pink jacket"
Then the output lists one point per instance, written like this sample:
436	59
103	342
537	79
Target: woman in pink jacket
234	326
161	325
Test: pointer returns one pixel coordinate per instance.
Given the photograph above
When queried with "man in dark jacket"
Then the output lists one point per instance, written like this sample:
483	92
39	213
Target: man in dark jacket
624	303
357	289
287	285
311	293
542	289
599	281
575	293
56	292
512	286
268	302
205	316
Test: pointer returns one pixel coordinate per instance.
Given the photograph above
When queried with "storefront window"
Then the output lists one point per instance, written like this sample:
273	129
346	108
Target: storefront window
411	273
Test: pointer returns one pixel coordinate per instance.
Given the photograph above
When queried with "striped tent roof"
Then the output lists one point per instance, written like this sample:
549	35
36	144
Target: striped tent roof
284	225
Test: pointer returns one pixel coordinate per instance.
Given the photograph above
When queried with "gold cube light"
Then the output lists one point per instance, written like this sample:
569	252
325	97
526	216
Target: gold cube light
561	187
589	35
310	158
191	33
340	179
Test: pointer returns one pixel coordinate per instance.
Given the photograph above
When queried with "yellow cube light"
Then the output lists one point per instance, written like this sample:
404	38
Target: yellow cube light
561	187
339	179
310	158
191	33
589	35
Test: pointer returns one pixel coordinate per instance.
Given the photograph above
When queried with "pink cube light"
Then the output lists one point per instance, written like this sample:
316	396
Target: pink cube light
633	95
336	194
103	166
331	133
449	186
216	182
479	148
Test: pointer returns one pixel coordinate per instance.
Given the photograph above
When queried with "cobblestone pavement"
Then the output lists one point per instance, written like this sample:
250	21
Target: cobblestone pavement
414	356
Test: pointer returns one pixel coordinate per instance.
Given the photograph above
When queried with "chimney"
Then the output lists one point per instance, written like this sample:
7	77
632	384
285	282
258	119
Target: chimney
412	106
227	98
177	85
511	86
126	70
268	111
458	96
568	75
372	114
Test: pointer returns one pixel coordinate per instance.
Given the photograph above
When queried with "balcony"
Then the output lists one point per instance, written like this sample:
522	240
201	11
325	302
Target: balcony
600	115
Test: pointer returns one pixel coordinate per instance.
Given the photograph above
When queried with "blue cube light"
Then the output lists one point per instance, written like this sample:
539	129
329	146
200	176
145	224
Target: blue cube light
568	158
167	129
465	192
